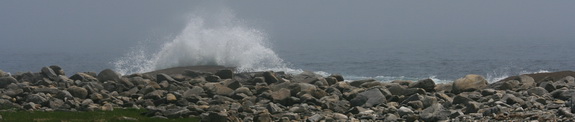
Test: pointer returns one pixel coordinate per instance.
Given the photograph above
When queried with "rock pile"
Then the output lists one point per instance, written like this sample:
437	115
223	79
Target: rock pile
276	96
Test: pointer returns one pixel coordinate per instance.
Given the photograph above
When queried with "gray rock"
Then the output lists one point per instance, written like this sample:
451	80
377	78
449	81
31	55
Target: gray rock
155	95
49	73
566	112
331	80
460	99
108	75
282	96
57	104
488	91
217	89
194	91
469	83
369	98
5	81
6	104
58	70
512	99
78	92
548	85
315	118
176	112
3	74
403	111
273	108
472	107
39	98
64	95
263	117
426	84
434	113
538	91
215	117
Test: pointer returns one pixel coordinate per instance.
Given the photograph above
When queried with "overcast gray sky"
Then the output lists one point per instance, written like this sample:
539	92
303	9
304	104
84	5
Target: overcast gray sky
96	26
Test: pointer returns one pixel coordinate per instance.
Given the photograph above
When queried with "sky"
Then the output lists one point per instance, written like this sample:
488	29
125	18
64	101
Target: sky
82	26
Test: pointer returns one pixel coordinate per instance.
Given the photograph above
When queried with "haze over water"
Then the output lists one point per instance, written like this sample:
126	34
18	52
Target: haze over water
385	40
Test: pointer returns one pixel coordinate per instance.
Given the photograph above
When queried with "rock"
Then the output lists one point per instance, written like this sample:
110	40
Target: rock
225	74
39	98
548	85
215	117
232	84
212	78
282	96
488	91
566	112
512	99
107	107
459	99
5	81
78	92
108	75
171	97
358	83
427	84
273	108
194	91
538	91
340	106
369	98
472	107
49	73
433	113
177	112
163	77
56	104
403	111
263	117
331	80
339	116
315	118
3	74
563	94
218	89
469	83
270	77
64	95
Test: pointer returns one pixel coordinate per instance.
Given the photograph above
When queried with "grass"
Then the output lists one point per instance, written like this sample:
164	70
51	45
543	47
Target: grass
118	115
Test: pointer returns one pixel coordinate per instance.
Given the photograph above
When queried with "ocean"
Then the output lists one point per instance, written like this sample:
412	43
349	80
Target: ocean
229	42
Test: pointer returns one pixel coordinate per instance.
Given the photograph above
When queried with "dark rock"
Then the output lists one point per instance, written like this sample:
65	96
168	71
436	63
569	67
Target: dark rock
108	75
512	99
163	77
374	98
331	80
563	94
78	92
460	99
433	113
232	84
64	95
5	81
548	85
469	83
225	74
6	104
49	73
426	84
418	105
566	112
472	107
57	104
176	112
488	91
263	117
212	78
155	95
270	77
340	106
273	108
215	117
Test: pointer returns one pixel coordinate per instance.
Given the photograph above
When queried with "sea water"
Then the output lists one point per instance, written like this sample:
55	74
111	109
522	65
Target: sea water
227	40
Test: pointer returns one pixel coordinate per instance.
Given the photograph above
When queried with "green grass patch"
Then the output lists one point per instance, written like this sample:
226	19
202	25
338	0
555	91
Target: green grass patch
118	115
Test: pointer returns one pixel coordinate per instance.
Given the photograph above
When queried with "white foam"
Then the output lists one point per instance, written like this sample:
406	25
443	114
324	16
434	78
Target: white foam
208	39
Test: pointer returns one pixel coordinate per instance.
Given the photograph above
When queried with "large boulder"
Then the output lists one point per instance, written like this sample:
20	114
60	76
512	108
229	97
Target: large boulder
225	74
78	92
108	75
470	82
83	77
49	73
434	113
522	82
270	77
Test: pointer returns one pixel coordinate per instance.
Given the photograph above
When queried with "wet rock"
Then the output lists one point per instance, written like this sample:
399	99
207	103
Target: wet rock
5	81
78	92
225	74
426	84
270	77
469	83
108	75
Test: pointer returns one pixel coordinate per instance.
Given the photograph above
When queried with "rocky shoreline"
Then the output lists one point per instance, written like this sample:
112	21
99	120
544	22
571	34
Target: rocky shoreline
219	94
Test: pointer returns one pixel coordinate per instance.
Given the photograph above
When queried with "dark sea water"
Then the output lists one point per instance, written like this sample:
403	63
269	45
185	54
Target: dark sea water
231	43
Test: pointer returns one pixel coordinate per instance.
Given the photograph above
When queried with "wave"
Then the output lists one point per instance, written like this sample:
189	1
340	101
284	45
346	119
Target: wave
208	39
